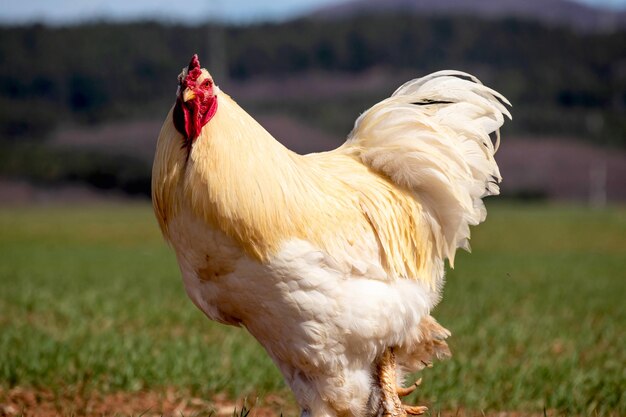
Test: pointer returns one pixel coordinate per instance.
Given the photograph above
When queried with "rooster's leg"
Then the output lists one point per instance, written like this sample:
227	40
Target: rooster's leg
391	393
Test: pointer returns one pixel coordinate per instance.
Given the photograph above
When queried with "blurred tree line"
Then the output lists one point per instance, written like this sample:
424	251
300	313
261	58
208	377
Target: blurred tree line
561	82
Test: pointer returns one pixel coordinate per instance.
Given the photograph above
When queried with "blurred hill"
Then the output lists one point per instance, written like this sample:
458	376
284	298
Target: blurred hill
554	12
83	104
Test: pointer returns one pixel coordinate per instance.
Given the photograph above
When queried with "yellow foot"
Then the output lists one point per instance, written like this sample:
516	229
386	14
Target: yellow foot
414	410
391	393
403	392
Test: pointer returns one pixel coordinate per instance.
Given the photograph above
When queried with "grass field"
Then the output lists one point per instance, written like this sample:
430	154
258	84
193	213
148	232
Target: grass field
91	301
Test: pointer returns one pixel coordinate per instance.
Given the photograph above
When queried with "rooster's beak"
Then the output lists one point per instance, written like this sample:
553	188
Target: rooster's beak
188	95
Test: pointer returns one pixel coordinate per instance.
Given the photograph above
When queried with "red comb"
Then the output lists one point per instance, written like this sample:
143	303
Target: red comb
195	63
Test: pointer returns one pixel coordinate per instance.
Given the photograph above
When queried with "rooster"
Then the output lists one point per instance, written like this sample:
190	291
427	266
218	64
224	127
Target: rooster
333	260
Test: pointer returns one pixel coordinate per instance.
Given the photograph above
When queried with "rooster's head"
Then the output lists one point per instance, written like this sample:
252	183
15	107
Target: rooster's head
196	101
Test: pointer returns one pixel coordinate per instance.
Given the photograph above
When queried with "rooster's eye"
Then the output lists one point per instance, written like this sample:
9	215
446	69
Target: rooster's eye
206	83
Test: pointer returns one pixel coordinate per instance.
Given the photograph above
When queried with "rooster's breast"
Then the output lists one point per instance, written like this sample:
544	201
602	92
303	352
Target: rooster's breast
232	287
308	308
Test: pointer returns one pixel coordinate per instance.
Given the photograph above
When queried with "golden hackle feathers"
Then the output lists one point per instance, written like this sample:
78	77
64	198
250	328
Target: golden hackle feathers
168	173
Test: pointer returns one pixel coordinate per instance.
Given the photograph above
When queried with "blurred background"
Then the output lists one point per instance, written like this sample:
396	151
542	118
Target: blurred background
85	86
93	316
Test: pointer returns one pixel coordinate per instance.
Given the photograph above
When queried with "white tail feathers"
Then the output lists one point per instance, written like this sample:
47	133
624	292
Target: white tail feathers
432	137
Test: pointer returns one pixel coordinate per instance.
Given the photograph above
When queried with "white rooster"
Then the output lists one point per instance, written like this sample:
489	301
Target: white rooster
332	261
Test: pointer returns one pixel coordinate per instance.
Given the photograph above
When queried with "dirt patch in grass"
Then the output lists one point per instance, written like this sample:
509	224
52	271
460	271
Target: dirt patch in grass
170	402
24	402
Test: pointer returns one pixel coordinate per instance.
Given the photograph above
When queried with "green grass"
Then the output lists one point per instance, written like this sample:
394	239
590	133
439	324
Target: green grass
91	299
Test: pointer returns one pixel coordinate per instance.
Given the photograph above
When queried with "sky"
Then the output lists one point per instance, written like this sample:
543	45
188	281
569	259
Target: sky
71	11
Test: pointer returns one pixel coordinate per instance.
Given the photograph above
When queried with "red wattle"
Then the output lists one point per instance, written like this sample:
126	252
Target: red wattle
190	117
